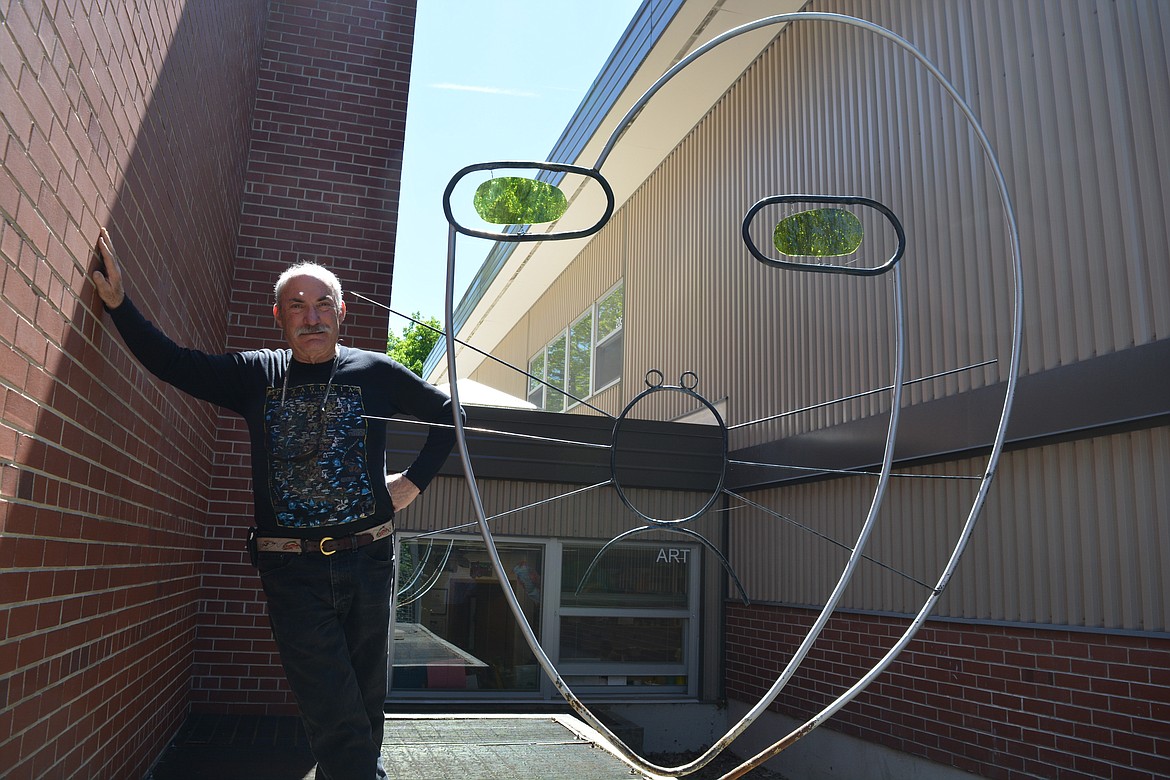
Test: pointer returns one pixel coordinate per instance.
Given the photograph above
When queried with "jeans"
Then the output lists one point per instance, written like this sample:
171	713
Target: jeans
330	616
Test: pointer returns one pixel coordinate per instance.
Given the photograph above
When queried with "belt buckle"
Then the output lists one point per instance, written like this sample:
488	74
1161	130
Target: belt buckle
321	546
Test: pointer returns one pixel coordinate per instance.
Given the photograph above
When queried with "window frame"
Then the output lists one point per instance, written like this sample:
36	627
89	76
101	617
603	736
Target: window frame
549	631
595	344
570	402
540	386
688	667
599	342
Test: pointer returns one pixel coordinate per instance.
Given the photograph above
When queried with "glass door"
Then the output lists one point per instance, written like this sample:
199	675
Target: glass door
453	630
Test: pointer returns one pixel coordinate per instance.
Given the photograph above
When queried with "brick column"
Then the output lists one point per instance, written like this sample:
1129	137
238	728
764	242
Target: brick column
323	184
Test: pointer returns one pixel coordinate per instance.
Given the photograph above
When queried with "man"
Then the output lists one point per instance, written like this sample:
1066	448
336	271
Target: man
324	508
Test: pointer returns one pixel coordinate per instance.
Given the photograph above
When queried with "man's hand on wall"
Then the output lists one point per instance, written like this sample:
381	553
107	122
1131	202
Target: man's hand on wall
108	278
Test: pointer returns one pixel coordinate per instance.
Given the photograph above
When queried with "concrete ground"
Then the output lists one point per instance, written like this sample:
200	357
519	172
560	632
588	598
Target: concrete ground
419	747
473	747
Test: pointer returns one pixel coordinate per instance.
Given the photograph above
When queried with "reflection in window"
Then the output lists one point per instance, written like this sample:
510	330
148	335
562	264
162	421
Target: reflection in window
555	366
636	640
454	628
581	356
628	622
642	577
607	362
535	380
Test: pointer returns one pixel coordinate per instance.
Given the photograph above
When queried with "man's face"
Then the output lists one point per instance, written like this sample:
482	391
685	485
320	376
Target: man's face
310	318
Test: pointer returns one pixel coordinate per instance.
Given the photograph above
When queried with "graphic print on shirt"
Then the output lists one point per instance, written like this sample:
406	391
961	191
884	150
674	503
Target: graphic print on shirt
317	457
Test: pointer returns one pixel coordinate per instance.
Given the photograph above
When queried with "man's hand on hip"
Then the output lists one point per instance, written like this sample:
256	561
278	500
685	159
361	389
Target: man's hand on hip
402	491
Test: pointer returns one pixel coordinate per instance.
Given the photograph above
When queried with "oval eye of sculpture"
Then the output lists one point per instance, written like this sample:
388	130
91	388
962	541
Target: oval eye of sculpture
516	200
819	233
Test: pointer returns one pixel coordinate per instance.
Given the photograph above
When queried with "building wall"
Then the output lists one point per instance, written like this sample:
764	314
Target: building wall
122	501
832	110
1075	100
809	117
1055	653
1073	534
108	120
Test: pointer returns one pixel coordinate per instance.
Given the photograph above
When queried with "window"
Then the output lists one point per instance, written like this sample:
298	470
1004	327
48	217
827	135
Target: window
555	366
546	376
630	621
453	628
536	379
626	577
583	359
633	621
607	362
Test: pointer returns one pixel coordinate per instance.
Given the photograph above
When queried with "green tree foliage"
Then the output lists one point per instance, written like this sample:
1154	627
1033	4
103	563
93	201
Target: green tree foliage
609	313
416	342
819	233
514	200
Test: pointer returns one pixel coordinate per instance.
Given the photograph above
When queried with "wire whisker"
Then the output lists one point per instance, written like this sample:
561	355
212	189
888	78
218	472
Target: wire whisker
850	472
409	421
827	538
549	500
440	531
862	394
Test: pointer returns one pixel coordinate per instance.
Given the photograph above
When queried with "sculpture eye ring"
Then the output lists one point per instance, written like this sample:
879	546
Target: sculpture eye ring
821	233
524	209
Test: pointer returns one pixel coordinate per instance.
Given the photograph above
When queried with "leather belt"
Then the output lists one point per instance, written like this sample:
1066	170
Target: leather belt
327	546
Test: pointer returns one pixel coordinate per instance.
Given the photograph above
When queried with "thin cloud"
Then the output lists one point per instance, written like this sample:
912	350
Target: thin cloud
486	90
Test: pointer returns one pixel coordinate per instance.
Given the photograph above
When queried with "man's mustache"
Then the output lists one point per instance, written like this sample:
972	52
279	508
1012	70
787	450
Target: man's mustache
309	330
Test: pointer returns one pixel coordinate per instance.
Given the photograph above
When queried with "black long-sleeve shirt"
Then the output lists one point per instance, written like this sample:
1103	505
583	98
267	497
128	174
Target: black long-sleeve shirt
318	449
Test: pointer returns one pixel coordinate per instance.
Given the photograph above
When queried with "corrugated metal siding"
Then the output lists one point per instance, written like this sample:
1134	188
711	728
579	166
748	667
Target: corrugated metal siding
1073	534
514	351
1075	97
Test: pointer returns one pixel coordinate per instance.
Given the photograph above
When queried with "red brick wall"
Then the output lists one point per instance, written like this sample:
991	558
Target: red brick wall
135	117
125	595
999	702
323	184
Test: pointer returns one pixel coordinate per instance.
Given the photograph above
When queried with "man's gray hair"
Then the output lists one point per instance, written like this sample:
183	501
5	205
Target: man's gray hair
315	270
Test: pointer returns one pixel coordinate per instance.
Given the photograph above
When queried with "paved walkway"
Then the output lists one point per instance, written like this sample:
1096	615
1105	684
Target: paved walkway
419	747
550	747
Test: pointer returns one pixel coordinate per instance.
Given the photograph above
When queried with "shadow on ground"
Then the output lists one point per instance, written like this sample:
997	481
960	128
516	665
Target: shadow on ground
224	747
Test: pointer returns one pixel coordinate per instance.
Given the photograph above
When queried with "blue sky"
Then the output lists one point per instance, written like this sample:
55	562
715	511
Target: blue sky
489	81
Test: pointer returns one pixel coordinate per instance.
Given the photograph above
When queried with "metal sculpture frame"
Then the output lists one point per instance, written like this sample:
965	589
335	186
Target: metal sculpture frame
895	388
